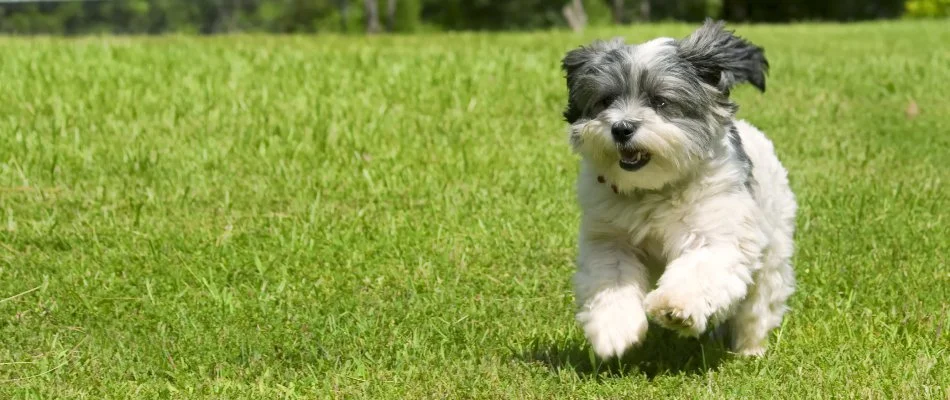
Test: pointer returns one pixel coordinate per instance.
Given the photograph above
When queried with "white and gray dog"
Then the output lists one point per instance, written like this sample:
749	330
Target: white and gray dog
687	214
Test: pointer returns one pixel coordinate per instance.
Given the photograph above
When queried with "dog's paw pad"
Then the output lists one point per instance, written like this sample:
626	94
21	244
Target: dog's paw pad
666	311
676	319
754	351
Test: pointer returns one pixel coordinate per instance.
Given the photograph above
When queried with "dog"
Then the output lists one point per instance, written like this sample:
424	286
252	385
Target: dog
687	216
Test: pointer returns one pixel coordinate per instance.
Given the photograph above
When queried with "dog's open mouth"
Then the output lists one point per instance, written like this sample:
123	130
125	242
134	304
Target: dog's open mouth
633	159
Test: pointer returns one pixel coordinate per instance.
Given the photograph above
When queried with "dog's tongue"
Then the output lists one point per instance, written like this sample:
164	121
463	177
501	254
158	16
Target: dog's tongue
632	160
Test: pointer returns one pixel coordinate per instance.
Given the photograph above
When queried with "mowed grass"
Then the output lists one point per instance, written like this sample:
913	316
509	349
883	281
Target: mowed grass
394	217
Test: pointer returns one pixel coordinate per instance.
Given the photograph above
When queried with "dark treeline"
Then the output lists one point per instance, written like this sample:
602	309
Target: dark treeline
354	16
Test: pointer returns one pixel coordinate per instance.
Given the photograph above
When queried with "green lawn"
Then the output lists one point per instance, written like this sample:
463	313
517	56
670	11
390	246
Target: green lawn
394	217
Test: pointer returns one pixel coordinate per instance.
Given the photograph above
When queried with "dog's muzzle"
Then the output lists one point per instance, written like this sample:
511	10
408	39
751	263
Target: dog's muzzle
624	130
631	159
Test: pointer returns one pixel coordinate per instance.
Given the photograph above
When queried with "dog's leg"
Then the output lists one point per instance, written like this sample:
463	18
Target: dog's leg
715	251
699	287
764	307
609	287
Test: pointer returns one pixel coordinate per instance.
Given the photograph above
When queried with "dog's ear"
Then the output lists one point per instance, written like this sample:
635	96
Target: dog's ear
723	59
578	62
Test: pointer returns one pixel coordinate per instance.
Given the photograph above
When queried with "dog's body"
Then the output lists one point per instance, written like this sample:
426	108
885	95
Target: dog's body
676	194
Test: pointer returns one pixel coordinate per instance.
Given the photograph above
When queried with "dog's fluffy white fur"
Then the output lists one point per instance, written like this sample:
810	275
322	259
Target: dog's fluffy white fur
687	214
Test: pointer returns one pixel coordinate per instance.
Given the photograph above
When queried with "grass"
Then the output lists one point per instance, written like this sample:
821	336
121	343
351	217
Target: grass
394	217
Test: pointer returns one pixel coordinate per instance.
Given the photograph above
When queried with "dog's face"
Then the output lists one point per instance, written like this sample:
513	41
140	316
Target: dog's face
645	114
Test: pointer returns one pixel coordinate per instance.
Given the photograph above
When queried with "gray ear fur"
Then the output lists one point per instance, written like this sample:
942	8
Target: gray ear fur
723	59
576	63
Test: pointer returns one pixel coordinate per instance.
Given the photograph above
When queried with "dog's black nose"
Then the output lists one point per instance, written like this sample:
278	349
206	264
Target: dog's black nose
623	130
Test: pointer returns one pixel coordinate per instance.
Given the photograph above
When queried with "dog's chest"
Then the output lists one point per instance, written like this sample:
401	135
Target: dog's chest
650	221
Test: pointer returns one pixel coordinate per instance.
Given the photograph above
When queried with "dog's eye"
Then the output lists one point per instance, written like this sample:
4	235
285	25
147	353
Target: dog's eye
659	102
605	102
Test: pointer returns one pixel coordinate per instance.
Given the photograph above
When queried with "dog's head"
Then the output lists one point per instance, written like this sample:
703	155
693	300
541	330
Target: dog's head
647	114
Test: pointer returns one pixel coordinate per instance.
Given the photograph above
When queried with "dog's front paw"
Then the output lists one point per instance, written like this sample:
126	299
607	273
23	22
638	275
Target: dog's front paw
682	312
612	329
751	351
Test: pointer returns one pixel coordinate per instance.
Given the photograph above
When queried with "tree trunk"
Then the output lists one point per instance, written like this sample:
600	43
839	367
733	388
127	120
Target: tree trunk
372	16
575	15
735	10
236	6
219	24
618	12
343	13
645	10
391	15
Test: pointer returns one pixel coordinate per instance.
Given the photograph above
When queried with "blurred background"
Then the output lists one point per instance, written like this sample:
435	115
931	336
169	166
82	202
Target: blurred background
83	17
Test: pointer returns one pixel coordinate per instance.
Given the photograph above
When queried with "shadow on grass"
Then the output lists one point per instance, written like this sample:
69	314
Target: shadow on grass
662	353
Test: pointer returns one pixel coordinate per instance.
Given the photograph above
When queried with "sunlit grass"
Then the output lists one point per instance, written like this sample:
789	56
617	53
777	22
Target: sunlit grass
394	217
